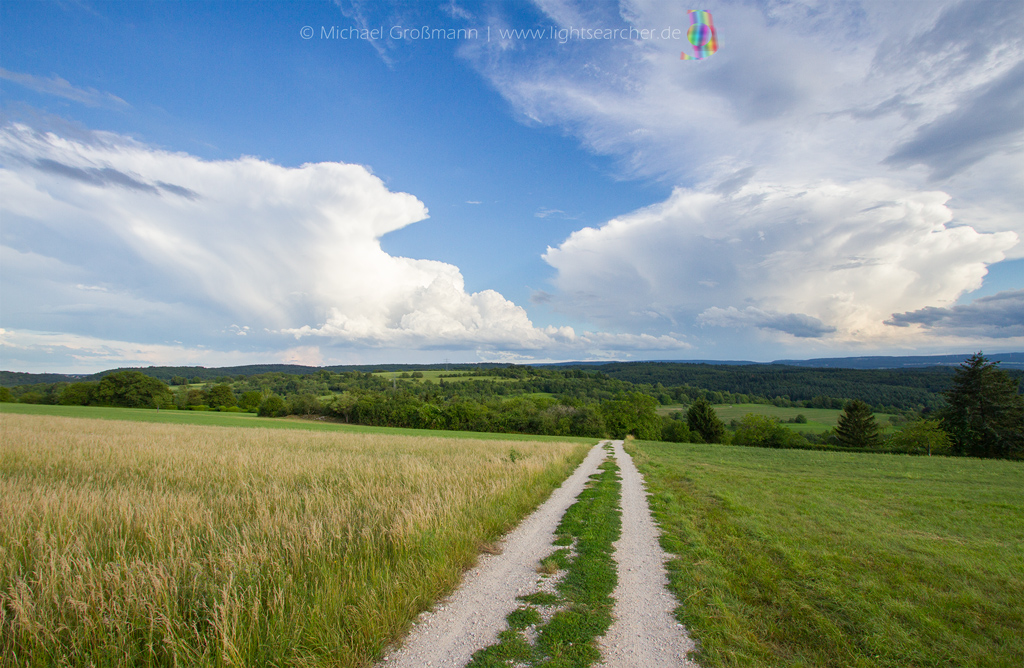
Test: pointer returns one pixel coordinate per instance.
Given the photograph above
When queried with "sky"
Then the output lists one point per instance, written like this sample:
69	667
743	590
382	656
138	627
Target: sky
359	182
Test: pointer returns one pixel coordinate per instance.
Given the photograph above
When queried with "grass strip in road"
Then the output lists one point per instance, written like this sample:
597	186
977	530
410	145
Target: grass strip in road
581	610
790	558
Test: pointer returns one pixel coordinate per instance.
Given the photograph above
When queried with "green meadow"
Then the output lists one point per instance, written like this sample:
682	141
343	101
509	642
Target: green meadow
818	419
800	558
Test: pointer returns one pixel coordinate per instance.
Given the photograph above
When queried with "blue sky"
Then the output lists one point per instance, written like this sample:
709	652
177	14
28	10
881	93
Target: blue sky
200	183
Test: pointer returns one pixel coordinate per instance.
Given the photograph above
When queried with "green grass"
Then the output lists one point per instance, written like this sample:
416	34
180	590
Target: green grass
797	558
215	418
134	544
818	419
582	608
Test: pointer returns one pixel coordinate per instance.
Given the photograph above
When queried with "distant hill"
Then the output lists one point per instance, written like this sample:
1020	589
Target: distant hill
15	378
1006	361
207	374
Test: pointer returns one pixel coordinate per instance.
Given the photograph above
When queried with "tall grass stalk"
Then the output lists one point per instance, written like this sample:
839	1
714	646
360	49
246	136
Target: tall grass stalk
165	545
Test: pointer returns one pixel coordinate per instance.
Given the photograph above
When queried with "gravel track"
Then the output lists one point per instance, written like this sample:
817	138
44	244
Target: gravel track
471	618
644	631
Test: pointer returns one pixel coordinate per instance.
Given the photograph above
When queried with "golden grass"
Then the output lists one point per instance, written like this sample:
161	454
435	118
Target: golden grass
155	544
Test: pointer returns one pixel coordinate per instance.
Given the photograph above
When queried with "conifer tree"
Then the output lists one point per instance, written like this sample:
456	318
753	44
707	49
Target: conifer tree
857	427
702	418
985	412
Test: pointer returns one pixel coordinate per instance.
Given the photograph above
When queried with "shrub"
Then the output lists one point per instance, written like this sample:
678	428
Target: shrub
272	406
304	404
250	401
32	398
78	394
765	432
675	431
924	437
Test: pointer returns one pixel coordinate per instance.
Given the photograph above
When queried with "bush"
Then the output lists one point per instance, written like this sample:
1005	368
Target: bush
766	432
272	406
32	398
924	437
78	394
304	404
250	401
675	431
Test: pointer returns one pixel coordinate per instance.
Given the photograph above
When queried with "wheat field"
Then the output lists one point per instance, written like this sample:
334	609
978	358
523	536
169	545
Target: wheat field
135	544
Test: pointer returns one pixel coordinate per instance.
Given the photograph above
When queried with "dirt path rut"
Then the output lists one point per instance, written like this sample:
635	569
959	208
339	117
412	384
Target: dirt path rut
644	631
472	617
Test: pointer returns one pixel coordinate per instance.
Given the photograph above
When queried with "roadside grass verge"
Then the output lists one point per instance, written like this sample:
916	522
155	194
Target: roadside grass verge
219	419
126	543
559	630
797	558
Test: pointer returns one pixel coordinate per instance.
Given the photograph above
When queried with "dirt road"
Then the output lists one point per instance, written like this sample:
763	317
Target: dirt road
472	617
643	633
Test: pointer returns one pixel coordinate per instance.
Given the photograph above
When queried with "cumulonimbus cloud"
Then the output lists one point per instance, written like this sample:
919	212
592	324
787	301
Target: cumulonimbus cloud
171	243
290	249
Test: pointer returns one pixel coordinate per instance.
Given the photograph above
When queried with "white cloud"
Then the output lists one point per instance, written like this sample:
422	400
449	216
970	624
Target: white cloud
824	260
65	352
110	240
806	152
289	249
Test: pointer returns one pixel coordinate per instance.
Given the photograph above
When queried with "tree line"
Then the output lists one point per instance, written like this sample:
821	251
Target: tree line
980	413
